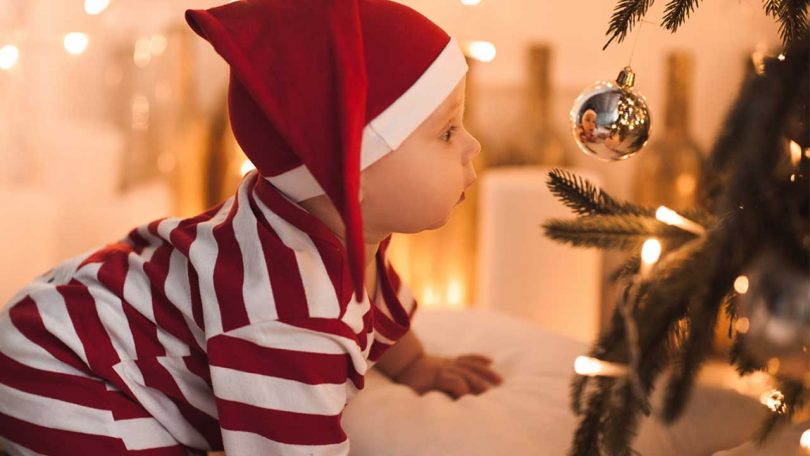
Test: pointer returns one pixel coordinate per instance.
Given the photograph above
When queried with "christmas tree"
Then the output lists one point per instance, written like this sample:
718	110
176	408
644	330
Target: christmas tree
744	249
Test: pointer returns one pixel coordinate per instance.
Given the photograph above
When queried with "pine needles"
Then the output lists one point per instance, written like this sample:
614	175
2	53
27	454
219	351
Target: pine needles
790	14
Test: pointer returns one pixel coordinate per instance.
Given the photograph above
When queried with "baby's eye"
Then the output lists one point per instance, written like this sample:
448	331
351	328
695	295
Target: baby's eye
448	134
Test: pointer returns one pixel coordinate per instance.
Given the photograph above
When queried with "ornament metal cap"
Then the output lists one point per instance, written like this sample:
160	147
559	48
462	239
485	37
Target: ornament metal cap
626	77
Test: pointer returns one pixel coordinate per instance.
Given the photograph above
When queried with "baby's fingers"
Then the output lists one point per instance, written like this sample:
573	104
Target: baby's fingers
480	369
476	383
452	383
472	357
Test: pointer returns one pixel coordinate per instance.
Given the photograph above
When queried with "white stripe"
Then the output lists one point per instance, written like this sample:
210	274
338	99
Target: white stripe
159	406
322	300
278	393
402	117
203	255
153	242
405	296
56	319
54	413
18	347
110	311
257	290
250	443
138	293
388	130
194	388
178	291
355	312
143	434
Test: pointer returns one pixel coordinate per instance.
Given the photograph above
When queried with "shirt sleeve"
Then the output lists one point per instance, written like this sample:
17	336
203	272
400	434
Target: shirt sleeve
393	311
281	387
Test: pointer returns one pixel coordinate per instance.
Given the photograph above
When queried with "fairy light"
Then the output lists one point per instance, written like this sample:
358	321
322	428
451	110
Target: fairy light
742	325
591	367
9	54
95	7
247	166
650	252
670	217
483	51
76	42
780	57
774	400
741	284
795	153
470	2
158	44
143	52
804	441
429	297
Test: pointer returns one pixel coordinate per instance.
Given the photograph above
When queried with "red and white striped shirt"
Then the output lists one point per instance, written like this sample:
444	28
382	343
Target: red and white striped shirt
236	329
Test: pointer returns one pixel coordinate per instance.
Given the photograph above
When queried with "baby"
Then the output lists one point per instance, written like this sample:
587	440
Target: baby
248	328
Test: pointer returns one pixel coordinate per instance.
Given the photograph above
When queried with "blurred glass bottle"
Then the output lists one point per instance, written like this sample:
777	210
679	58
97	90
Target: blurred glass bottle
668	171
538	142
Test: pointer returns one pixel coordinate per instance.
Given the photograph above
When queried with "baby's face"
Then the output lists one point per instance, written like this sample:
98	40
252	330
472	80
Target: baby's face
415	187
589	121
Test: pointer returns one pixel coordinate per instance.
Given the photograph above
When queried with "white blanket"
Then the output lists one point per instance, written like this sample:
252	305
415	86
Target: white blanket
529	413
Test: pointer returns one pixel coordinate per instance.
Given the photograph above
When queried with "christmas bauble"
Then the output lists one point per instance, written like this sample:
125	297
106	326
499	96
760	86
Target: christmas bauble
610	120
776	306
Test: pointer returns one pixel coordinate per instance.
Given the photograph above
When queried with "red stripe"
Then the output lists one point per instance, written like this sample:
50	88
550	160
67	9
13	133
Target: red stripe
101	355
286	427
198	365
113	274
305	367
229	274
282	268
167	315
378	348
26	318
181	238
156	376
55	441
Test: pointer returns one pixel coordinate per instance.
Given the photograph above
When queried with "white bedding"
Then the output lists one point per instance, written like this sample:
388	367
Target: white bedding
529	413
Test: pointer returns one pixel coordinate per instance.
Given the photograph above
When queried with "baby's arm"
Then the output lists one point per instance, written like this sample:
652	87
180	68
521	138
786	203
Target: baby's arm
407	363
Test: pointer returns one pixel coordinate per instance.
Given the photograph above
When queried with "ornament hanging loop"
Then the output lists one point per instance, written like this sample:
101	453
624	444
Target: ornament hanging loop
626	77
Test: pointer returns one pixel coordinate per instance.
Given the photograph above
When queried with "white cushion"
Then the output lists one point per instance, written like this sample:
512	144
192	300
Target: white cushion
529	413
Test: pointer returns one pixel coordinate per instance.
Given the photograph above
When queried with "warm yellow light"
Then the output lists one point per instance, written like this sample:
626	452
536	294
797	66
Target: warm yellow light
742	325
158	44
429	297
94	7
470	2
247	166
741	284
670	217
651	251
143	52
8	56
804	440
76	42
455	293
795	153
483	51
585	365
780	57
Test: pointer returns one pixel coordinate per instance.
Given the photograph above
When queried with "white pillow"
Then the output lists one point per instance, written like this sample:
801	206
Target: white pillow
529	412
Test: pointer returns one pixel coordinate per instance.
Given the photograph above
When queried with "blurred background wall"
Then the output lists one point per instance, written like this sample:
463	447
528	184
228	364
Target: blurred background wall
112	113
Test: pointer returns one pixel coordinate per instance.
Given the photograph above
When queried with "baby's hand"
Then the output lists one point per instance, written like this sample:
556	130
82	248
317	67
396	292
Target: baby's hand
455	376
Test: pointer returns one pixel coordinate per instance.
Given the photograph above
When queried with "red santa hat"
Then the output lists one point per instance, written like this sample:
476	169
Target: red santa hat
321	89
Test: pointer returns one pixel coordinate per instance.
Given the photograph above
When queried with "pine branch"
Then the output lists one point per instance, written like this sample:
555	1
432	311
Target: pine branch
625	232
587	436
625	15
585	198
676	13
792	18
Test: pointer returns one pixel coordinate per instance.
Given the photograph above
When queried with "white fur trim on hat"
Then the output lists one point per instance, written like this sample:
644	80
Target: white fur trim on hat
388	130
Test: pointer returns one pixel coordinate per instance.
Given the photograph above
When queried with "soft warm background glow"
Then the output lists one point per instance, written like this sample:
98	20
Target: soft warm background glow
112	113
